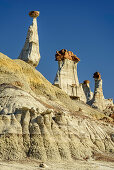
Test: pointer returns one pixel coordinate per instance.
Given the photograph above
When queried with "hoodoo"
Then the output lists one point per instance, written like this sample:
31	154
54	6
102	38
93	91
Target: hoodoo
30	52
66	77
98	97
98	100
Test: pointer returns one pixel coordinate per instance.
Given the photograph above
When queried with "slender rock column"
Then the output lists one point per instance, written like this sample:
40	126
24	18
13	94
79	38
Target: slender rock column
98	97
87	91
30	52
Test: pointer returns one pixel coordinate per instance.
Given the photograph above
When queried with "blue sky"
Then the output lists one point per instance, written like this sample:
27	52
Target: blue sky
85	27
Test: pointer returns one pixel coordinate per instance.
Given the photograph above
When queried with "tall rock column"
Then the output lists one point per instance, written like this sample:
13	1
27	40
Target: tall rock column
30	52
66	77
98	100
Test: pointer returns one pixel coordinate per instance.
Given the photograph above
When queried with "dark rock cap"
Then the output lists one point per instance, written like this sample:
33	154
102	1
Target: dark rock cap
64	54
34	14
97	75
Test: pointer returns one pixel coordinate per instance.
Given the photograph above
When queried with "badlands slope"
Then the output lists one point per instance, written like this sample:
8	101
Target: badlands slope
40	121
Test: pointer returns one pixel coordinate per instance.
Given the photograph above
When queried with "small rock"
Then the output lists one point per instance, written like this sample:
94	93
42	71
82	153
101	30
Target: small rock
80	109
43	165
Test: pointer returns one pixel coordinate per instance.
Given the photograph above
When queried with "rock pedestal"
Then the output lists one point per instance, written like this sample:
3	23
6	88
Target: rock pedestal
30	52
66	77
98	97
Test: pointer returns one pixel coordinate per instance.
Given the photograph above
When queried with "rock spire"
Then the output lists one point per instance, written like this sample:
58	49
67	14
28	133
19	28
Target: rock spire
30	52
67	70
87	90
98	97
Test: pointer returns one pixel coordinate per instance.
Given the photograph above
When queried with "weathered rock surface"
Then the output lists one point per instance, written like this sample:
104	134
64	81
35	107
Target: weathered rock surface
30	52
39	120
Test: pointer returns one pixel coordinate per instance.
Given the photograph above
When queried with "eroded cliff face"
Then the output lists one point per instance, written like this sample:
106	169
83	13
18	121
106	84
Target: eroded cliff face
40	121
53	136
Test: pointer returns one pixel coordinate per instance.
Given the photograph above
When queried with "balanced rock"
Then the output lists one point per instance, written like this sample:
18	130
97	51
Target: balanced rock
30	52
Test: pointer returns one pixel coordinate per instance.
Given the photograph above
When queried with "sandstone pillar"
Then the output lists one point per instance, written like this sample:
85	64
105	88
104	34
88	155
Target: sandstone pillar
66	77
98	97
87	91
30	52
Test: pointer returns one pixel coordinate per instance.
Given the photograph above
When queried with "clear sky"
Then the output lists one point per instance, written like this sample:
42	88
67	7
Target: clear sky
85	27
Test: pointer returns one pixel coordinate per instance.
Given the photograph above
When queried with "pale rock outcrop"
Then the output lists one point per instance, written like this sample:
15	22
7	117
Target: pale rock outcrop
15	98
109	102
30	52
66	77
58	137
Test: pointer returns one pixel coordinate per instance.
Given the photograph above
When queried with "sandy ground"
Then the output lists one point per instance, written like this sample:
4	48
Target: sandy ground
78	165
